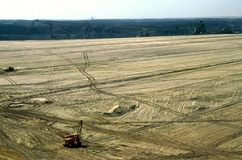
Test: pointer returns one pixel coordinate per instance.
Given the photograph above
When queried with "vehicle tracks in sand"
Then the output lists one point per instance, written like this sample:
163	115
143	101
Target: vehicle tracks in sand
92	146
191	118
90	78
176	71
9	79
133	130
92	84
18	148
226	139
164	141
197	117
186	116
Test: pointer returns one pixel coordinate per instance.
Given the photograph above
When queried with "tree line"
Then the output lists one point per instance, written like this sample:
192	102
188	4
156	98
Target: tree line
49	29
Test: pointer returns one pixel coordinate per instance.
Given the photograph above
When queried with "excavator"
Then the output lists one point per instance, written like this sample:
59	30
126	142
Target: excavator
73	140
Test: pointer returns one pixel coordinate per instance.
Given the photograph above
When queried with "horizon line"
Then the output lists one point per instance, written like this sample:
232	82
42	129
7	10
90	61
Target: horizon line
219	17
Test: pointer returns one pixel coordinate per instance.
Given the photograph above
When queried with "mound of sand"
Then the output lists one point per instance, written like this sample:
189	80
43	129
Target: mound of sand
40	100
118	110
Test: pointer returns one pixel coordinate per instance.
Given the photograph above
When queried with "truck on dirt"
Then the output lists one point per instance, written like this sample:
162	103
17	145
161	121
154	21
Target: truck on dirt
73	140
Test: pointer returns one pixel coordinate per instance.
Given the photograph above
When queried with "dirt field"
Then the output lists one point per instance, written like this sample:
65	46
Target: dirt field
139	98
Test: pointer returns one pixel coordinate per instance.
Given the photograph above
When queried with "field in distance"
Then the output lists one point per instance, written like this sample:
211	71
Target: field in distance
139	98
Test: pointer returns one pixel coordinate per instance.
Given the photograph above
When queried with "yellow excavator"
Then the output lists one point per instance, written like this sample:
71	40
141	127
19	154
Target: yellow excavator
73	140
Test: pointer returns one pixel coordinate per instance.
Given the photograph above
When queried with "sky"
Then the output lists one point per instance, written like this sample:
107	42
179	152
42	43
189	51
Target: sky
118	9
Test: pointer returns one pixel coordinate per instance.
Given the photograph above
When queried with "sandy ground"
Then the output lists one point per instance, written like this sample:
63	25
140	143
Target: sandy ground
139	98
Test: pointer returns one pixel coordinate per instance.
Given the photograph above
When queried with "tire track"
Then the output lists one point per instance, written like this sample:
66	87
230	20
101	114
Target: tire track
171	72
116	95
150	75
176	71
204	51
189	119
18	148
91	80
94	87
166	141
226	139
111	94
92	83
9	79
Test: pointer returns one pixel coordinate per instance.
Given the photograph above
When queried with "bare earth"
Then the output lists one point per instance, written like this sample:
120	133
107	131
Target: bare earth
139	98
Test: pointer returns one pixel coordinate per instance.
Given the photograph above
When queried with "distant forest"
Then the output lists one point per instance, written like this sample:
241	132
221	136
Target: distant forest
92	29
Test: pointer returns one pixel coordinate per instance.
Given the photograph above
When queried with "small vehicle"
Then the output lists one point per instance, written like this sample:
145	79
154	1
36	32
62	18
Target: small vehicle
9	69
73	140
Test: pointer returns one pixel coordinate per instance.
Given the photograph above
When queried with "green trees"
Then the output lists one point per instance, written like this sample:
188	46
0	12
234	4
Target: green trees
200	29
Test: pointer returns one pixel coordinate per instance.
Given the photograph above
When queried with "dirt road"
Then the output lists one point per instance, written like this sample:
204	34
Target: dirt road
140	98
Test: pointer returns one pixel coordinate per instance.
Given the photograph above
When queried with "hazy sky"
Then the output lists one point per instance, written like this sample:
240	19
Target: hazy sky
106	9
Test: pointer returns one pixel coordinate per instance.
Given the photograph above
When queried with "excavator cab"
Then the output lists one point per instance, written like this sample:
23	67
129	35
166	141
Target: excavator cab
73	140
